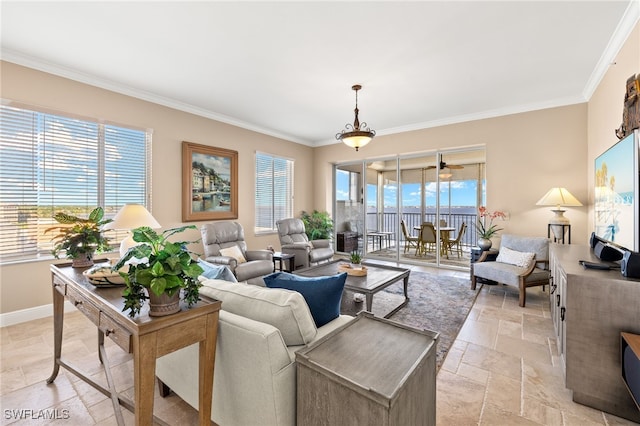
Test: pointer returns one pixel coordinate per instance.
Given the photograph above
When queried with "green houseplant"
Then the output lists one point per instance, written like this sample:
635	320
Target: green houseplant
318	225
79	238
158	270
356	259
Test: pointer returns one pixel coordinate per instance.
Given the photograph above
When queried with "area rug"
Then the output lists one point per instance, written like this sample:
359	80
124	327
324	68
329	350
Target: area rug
437	303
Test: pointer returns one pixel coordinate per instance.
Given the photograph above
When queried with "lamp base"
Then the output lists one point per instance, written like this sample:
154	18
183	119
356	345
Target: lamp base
559	224
126	244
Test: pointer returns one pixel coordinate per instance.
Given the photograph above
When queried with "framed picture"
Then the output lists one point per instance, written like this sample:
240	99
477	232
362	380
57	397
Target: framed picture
209	183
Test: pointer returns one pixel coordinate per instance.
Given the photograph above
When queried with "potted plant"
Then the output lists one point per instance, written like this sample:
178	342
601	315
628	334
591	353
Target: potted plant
485	232
158	270
317	225
79	238
356	260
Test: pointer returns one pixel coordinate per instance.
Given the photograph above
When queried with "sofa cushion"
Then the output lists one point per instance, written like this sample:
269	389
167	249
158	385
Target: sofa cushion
323	294
216	271
235	252
284	309
514	257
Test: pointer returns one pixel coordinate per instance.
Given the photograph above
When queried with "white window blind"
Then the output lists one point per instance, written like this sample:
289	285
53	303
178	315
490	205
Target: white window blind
51	163
274	191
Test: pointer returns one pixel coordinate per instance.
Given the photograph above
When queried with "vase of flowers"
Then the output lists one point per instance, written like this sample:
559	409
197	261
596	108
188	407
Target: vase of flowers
487	230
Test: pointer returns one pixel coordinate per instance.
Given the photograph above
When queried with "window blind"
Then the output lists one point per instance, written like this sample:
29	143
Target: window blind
51	163
274	191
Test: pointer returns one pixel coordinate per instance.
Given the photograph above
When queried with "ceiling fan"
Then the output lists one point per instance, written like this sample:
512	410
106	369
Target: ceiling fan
444	165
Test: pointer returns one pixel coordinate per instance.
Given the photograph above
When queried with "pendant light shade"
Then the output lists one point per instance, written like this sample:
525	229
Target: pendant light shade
358	134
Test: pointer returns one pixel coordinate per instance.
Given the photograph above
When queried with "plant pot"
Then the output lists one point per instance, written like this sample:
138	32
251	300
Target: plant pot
484	244
356	266
83	261
164	304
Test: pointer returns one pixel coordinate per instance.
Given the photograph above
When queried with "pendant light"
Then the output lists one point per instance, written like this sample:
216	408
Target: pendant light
358	134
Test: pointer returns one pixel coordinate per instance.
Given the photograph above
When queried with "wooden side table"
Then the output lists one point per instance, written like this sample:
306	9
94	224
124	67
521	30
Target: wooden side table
370	371
146	337
476	252
280	257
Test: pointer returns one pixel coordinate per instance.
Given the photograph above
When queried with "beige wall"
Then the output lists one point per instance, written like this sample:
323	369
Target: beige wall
28	285
527	154
606	105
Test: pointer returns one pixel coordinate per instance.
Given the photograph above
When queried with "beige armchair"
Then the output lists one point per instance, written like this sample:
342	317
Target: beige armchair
224	245
294	240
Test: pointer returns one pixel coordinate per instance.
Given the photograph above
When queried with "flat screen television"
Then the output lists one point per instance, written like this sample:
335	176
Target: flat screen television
617	187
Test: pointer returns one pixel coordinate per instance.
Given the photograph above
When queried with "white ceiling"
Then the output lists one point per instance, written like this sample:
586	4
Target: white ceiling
286	68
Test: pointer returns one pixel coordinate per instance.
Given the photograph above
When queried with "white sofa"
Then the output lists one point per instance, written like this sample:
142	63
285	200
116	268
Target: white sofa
260	329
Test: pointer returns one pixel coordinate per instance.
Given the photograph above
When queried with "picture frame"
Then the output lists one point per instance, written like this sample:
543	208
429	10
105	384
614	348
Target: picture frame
209	183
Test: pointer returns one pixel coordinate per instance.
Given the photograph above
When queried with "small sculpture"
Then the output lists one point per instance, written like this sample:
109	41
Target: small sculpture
631	110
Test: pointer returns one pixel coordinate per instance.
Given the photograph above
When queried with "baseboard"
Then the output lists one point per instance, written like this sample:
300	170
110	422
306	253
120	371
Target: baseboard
24	315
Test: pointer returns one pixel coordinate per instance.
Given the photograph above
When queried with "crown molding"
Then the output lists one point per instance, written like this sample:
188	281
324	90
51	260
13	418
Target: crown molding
619	37
55	69
500	112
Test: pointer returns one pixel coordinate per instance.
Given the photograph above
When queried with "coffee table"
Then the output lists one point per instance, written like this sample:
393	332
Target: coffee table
378	278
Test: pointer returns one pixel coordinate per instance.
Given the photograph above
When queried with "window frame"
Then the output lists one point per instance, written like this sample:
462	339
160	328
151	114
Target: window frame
258	227
40	249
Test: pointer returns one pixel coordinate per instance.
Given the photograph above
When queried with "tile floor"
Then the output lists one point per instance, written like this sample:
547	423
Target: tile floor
503	369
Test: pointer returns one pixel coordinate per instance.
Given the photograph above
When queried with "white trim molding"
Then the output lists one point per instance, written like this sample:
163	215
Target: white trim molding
29	314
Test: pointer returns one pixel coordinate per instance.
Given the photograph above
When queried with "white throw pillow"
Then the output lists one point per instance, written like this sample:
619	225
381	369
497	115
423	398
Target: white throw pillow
286	310
235	252
518	258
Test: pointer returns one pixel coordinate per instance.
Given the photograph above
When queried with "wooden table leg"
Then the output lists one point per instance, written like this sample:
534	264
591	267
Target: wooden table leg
144	354
369	301
205	374
58	320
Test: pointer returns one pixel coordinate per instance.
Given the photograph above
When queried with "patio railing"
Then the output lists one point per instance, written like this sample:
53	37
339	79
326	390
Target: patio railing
413	220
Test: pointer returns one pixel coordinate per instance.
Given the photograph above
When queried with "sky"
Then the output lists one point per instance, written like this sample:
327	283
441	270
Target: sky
463	193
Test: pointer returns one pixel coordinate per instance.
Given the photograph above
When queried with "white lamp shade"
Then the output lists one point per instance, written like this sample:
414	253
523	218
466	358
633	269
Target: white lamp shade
129	217
558	197
357	141
132	216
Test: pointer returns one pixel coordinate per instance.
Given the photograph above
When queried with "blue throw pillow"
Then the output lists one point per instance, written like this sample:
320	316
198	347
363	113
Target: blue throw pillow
322	294
221	272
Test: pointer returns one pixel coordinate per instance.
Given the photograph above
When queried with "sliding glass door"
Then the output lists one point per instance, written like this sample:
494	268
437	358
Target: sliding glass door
414	209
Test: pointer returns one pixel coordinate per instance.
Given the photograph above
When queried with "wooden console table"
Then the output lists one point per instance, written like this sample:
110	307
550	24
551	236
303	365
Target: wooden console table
590	308
146	337
370	371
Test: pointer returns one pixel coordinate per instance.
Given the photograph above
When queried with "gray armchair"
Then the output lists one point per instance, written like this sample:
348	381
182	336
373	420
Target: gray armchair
294	240
228	237
515	270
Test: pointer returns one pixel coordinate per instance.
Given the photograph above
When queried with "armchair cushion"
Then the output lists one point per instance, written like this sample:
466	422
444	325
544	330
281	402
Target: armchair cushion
284	309
320	244
235	252
514	257
322	294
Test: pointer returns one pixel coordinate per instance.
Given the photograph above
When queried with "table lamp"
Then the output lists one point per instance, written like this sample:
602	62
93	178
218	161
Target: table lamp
558	197
129	217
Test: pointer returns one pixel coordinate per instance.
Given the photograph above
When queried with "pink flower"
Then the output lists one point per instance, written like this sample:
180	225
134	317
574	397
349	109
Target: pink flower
485	231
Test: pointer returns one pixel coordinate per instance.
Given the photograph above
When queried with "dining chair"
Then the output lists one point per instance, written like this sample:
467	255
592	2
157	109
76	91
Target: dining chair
456	243
427	239
409	240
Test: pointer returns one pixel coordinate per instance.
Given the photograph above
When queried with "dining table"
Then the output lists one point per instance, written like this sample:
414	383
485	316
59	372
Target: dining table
444	232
